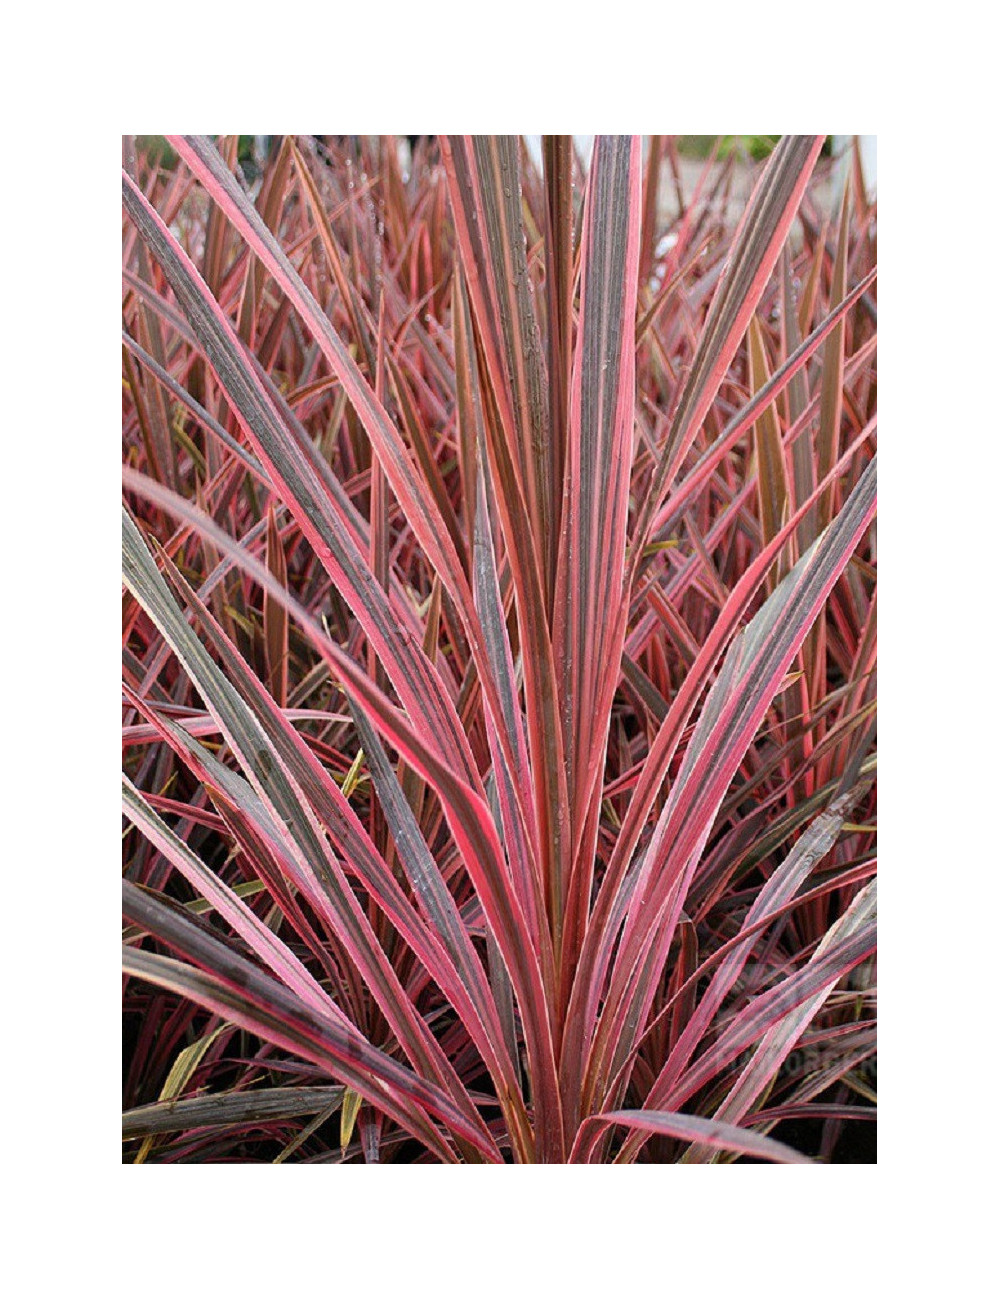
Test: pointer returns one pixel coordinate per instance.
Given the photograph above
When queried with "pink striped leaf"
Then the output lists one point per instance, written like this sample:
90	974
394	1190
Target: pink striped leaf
480	424
781	1038
484	178
779	890
236	989
591	606
294	476
754	668
442	945
767	1012
245	922
686	1128
756	247
467	813
290	816
619	882
407	668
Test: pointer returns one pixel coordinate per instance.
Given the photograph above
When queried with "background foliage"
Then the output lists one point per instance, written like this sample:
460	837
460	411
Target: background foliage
499	651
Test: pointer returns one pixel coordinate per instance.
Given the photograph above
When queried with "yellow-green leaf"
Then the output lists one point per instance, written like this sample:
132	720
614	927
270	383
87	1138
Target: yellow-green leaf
348	1116
181	1073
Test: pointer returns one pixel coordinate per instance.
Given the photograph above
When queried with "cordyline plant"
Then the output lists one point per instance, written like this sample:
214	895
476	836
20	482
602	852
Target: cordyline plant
498	655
